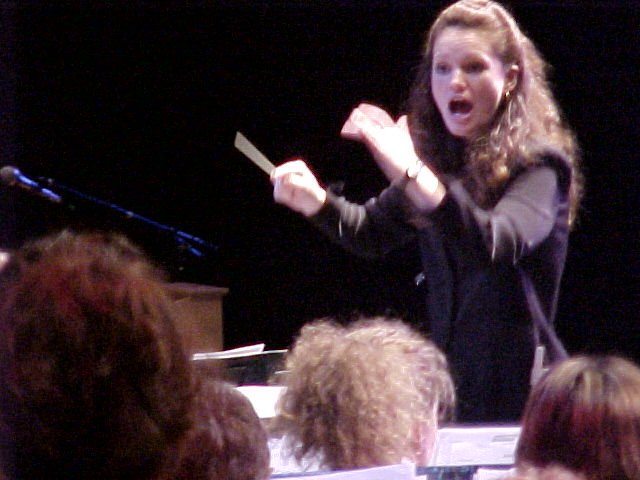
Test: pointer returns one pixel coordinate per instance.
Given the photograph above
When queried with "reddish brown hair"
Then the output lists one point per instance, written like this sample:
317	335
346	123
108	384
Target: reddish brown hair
94	380
228	441
585	415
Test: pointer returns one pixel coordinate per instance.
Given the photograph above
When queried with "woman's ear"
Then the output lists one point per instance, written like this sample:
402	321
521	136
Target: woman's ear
511	79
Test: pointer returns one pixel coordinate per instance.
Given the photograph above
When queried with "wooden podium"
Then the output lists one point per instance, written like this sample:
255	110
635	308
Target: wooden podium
198	310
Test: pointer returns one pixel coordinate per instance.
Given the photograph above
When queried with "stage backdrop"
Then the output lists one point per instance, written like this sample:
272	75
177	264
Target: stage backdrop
137	103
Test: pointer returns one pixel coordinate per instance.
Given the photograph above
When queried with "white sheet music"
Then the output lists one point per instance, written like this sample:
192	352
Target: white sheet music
493	474
263	398
402	471
233	353
485	445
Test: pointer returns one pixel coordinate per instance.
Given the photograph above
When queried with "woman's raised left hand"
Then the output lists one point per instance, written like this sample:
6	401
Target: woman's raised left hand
388	140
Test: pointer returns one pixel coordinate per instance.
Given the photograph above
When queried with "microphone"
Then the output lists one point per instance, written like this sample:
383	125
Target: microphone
12	177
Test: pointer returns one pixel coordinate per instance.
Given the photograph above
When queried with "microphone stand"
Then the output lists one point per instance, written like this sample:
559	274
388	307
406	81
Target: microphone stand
186	242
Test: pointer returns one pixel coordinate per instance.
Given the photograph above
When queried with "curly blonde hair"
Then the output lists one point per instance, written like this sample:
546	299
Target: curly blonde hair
356	394
528	121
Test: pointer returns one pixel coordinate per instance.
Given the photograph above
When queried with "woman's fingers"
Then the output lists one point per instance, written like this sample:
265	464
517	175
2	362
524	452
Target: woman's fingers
403	123
376	114
365	115
351	128
297	187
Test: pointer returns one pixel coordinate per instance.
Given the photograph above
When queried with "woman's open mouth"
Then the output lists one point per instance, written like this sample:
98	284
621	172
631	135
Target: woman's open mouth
460	107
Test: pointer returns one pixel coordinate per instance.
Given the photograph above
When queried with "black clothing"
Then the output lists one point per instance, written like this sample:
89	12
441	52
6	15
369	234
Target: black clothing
475	261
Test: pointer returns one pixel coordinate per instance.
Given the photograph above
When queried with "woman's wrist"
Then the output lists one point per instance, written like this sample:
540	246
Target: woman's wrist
319	196
423	188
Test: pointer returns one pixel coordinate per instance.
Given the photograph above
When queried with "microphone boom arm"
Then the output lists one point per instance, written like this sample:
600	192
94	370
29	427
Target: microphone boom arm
186	241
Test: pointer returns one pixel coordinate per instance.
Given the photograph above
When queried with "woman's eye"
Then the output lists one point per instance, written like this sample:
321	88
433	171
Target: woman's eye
441	68
475	67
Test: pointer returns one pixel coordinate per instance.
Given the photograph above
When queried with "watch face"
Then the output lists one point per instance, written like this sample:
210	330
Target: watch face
414	170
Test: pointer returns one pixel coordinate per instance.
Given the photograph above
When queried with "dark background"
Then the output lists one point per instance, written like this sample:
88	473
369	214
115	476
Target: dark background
137	103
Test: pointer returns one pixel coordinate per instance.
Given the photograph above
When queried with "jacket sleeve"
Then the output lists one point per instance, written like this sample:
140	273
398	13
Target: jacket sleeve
521	220
369	230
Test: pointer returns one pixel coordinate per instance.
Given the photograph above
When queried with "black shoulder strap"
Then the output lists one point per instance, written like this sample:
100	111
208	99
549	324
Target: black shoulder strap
540	322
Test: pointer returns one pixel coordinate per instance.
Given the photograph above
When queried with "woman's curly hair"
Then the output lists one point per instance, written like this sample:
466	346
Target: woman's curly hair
356	394
94	379
527	123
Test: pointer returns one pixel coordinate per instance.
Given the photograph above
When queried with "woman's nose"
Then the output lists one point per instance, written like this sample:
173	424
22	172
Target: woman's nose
457	81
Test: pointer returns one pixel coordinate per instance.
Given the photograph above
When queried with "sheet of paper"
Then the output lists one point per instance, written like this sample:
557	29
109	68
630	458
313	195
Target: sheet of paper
233	353
263	398
484	445
402	471
493	474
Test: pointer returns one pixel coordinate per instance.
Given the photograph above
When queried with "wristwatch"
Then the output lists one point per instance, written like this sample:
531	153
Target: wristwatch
414	170
410	173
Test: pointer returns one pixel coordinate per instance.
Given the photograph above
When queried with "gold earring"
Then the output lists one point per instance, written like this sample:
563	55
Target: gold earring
507	94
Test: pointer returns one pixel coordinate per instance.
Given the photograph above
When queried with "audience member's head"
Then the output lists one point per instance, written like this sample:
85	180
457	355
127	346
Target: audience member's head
94	381
228	441
370	393
584	415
